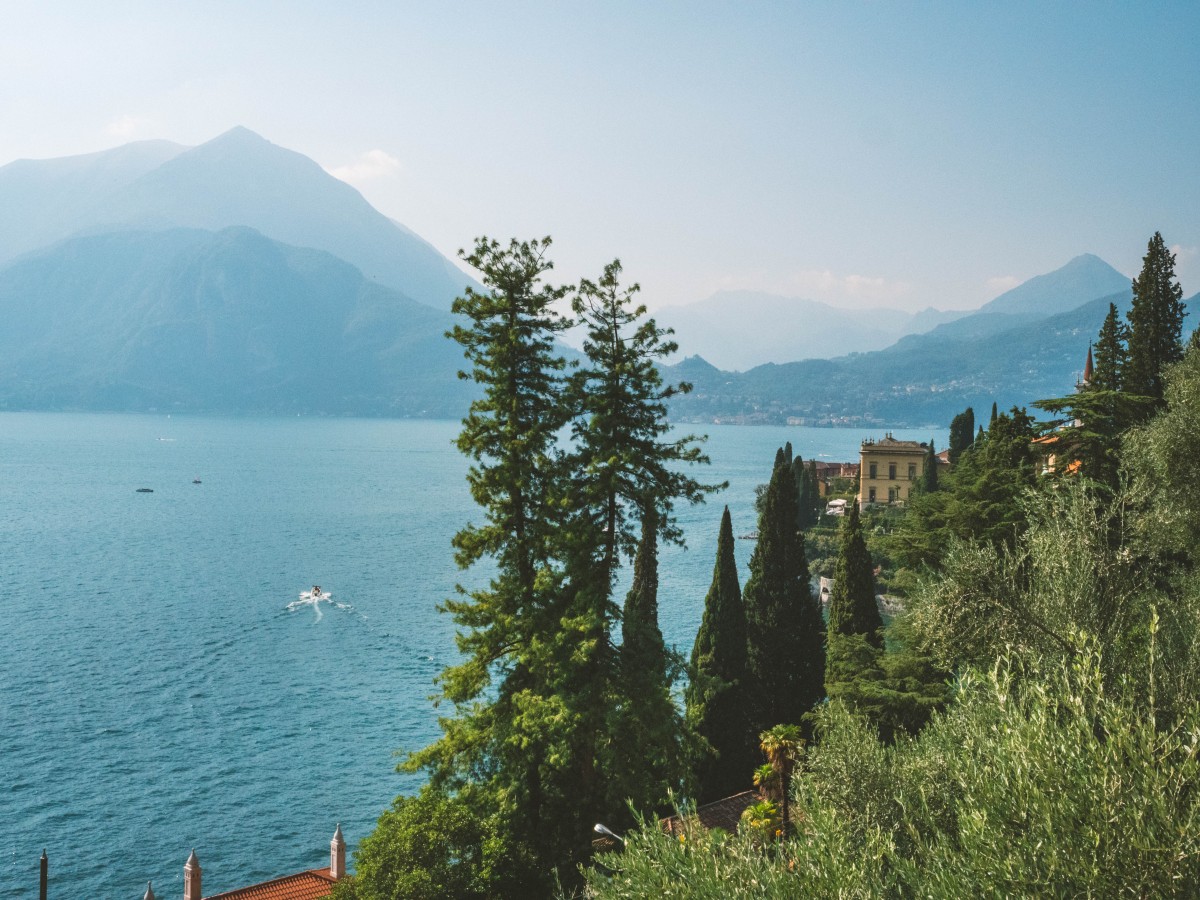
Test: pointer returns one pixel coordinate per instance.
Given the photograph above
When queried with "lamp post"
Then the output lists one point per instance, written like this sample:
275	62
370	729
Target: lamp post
608	832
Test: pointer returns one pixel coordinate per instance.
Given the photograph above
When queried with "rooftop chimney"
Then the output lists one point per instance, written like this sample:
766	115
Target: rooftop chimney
337	855
191	878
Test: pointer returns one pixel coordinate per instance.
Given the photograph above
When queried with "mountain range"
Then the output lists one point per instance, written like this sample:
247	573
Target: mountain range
229	321
240	277
741	329
236	179
989	357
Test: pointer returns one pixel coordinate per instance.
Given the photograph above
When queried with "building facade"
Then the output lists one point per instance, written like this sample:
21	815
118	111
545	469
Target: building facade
889	470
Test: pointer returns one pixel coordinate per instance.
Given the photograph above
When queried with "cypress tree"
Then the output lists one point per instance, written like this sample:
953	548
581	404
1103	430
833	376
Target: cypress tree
1109	354
647	747
962	433
852	606
785	634
992	420
1155	322
808	496
929	471
717	696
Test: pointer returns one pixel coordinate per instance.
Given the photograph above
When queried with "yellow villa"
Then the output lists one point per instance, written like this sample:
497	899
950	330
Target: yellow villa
889	469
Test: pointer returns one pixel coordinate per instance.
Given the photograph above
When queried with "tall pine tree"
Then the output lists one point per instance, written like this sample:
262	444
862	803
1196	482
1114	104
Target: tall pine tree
624	472
717	694
507	747
785	632
1109	353
1155	322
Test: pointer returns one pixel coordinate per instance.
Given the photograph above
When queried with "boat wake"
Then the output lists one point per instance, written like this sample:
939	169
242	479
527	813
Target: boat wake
313	599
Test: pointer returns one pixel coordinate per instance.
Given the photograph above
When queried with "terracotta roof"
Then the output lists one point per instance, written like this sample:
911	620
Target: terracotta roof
314	884
724	814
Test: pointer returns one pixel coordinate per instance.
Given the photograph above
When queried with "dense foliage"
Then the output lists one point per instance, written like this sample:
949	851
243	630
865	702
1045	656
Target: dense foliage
1035	782
962	433
555	725
1063	589
1028	725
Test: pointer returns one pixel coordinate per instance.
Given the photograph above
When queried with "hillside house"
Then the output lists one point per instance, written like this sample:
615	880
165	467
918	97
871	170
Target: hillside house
888	470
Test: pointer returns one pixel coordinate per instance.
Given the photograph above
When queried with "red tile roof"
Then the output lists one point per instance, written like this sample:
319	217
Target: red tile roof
314	884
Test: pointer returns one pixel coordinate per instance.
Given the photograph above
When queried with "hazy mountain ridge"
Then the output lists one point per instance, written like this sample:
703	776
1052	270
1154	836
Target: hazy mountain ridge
236	179
739	330
227	321
922	380
45	200
742	329
170	287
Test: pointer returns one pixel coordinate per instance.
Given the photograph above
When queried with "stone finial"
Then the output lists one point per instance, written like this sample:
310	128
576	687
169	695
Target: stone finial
191	878
149	892
337	855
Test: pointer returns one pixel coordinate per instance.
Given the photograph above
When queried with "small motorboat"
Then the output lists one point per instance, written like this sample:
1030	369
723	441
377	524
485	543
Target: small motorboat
145	490
195	481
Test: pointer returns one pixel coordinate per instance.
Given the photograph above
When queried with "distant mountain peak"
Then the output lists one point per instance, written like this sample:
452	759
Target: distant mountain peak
238	133
236	178
1085	276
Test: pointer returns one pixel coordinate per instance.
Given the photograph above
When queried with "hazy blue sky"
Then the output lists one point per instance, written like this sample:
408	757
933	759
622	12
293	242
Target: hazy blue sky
864	154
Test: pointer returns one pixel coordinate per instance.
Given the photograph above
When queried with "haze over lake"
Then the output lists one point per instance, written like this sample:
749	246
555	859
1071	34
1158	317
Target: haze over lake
158	693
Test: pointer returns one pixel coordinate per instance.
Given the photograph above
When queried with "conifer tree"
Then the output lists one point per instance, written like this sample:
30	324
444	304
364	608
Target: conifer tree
648	745
929	471
992	420
808	495
1155	322
852	606
622	473
619	401
505	746
717	697
1109	356
962	433
785	632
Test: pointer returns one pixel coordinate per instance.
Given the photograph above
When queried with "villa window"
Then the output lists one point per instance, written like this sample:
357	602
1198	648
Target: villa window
912	471
891	471
871	495
871	474
891	495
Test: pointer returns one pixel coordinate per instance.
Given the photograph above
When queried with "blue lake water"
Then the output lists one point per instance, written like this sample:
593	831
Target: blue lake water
157	693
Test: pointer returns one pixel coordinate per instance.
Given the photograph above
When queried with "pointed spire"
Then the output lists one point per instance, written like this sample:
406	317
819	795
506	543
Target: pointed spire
149	892
337	855
1087	369
191	878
